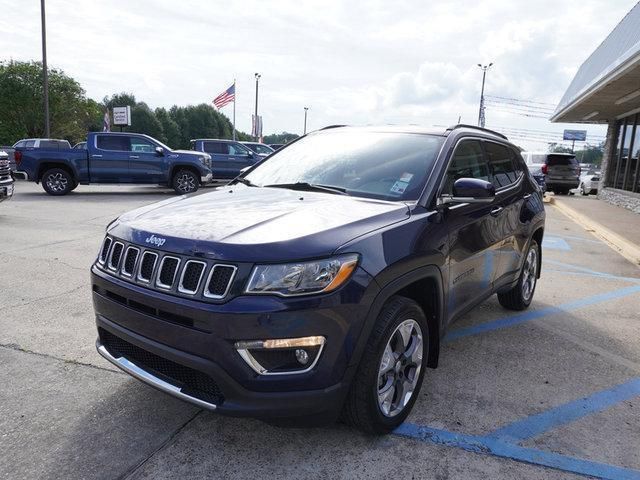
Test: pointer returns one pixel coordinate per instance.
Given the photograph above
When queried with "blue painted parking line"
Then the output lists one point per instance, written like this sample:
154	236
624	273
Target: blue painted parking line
499	448
579	269
543	312
536	424
555	243
582	239
586	274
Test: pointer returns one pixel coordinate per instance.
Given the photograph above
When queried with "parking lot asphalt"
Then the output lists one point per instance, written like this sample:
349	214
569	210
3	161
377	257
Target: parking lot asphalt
549	393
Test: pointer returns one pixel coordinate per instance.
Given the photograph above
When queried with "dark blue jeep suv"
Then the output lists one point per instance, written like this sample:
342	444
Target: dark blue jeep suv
320	283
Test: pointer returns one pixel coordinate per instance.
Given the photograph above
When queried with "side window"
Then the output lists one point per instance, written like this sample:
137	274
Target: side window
216	148
19	144
49	144
29	144
142	145
235	149
467	162
501	164
118	143
521	167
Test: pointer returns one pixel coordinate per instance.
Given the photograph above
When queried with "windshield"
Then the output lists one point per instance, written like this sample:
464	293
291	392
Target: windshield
387	166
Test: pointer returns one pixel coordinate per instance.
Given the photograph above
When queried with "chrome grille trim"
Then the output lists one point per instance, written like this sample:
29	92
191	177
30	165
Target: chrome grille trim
110	265
139	277
181	288
104	250
207	293
159	282
123	270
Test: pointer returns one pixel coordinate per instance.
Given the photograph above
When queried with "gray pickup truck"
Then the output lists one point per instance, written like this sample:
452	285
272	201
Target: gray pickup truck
6	180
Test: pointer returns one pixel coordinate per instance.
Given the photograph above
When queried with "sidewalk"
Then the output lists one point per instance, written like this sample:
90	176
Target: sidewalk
617	226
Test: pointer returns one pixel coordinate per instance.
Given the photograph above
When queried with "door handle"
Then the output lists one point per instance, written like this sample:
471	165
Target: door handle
527	196
96	156
495	211
134	156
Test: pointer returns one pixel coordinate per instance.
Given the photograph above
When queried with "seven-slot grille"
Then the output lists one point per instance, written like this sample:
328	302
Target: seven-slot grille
4	168
166	272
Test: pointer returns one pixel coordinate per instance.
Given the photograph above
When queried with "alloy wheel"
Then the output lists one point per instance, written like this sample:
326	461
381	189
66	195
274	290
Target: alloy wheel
186	183
57	182
530	274
399	368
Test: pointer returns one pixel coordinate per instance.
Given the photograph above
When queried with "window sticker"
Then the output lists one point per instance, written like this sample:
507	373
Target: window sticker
398	188
406	177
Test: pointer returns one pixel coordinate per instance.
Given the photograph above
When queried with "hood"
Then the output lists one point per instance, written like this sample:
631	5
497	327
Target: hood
241	223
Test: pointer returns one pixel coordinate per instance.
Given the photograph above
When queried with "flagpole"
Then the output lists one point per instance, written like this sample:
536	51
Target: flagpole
234	108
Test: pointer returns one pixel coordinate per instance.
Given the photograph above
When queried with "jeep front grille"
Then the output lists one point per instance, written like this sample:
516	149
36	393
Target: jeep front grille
174	274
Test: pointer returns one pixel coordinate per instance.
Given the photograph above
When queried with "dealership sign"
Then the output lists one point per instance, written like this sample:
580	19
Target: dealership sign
122	116
575	135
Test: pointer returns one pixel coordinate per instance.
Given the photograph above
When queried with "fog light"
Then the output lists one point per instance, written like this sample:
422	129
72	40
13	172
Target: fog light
302	356
281	356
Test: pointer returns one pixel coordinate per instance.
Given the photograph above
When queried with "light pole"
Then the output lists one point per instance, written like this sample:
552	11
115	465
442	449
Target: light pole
257	75
45	73
305	120
481	111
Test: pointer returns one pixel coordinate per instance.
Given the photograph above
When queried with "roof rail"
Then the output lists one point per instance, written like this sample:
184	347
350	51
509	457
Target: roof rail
333	126
463	125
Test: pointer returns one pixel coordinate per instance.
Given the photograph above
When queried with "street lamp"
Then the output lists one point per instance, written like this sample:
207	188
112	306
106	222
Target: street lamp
305	120
481	111
45	72
257	75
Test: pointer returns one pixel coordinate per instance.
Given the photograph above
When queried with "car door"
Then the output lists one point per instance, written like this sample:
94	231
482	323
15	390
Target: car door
240	157
109	160
145	164
507	174
219	152
474	241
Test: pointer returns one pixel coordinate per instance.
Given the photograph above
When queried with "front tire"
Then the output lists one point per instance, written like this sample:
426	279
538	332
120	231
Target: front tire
391	370
583	192
57	182
520	296
185	181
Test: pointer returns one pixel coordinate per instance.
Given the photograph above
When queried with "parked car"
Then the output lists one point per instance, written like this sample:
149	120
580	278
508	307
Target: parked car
80	146
6	180
259	148
536	172
276	146
310	288
589	183
114	158
561	170
228	157
33	143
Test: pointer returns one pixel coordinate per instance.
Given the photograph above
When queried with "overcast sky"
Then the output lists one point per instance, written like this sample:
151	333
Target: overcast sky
351	62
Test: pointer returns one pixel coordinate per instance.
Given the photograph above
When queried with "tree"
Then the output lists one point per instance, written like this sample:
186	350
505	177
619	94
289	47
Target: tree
22	103
283	137
555	148
170	128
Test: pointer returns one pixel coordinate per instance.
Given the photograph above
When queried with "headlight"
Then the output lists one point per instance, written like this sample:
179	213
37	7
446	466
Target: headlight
302	278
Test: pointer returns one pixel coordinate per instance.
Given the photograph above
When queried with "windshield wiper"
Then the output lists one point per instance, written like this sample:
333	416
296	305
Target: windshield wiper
245	181
311	187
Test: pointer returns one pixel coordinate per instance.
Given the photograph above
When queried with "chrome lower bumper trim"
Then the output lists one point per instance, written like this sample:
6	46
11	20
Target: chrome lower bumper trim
207	178
146	377
19	174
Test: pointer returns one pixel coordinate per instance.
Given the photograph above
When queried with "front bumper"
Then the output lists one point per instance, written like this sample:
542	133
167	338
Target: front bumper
209	350
6	189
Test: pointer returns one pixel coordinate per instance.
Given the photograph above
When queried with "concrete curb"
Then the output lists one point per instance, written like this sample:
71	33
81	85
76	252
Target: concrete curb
624	247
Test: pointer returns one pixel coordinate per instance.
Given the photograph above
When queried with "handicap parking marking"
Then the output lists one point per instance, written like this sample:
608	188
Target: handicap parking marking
543	312
535	425
500	448
555	243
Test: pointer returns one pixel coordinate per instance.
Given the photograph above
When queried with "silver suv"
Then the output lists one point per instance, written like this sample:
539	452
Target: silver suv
561	170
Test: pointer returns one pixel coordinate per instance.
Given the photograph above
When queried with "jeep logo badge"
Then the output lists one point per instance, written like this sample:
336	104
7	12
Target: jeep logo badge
157	241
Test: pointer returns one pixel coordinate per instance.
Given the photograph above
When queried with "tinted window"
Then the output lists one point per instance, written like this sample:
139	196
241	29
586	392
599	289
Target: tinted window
114	142
29	144
219	148
237	149
19	144
142	145
553	160
500	164
389	166
467	162
49	144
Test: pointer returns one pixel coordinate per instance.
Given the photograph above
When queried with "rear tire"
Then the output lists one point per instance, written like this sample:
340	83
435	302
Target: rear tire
391	370
185	181
57	182
520	296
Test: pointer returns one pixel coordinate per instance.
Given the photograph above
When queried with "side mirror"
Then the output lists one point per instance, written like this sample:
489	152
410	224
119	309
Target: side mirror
471	190
159	151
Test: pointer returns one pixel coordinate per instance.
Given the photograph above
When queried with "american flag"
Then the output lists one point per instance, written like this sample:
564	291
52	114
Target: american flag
226	97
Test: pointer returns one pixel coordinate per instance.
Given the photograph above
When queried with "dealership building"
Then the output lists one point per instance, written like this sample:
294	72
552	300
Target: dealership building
606	89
